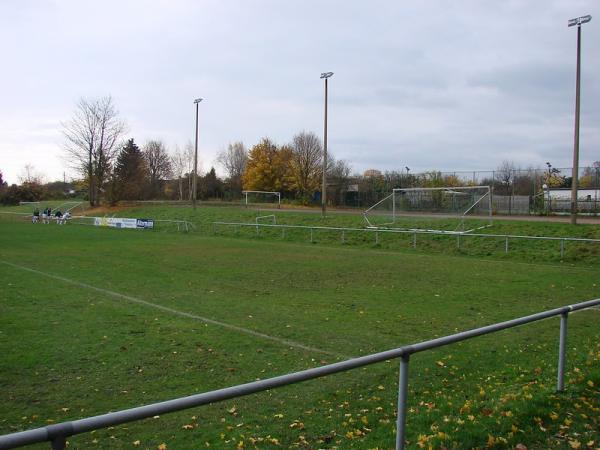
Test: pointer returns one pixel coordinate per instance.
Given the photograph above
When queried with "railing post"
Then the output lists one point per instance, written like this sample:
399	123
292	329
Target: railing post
402	398
311	235
58	443
57	435
506	245
562	248
562	352
458	241
415	239
343	236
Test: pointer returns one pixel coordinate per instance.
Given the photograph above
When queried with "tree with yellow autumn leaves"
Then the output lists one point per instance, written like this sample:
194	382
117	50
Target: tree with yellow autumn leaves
268	167
306	164
296	167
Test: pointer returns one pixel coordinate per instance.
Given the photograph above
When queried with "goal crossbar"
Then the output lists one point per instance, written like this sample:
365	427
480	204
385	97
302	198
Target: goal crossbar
442	188
277	194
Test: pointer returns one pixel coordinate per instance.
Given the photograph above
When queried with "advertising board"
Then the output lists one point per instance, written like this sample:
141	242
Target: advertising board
121	222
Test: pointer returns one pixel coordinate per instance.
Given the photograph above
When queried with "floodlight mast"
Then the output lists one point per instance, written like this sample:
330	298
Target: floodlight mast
325	76
574	175
195	180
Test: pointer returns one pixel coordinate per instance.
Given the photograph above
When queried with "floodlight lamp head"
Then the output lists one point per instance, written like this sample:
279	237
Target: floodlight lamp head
198	100
326	74
580	20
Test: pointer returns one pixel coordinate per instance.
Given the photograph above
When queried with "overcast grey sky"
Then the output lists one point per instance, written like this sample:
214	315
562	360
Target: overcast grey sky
445	85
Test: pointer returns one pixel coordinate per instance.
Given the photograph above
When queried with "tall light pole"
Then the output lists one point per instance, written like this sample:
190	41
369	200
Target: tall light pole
325	76
195	181
578	21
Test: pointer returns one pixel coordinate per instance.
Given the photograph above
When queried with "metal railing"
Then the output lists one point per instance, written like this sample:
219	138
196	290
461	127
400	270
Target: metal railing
57	434
459	235
182	225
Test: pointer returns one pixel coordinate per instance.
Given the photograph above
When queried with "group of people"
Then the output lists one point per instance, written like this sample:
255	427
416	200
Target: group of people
47	216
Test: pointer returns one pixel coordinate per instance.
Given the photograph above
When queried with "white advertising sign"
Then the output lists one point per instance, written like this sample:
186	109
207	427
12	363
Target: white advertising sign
116	222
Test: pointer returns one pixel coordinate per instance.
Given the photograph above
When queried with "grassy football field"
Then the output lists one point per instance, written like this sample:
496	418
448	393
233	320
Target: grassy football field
95	320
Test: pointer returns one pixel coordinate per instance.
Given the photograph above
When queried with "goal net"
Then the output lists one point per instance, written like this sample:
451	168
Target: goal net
262	198
462	209
28	208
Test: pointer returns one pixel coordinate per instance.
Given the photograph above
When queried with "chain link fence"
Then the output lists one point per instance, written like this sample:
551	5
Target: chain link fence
514	191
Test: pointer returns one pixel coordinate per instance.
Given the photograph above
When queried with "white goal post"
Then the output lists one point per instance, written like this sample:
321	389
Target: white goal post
66	205
460	202
276	195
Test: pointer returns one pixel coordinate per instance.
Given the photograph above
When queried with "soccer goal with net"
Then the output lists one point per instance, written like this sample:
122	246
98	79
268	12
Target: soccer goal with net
262	197
465	208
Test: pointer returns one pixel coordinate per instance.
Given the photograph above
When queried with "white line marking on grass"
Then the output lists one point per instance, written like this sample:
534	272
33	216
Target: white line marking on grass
139	301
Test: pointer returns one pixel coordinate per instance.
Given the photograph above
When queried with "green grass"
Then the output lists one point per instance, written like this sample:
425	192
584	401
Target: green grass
519	249
71	351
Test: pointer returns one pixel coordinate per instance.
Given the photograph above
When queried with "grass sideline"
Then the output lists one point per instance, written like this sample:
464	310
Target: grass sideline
71	352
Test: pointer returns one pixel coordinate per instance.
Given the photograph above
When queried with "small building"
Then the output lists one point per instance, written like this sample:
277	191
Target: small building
587	194
558	200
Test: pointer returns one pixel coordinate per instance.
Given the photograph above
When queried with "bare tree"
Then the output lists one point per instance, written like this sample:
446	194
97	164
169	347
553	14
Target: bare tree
306	163
338	173
92	137
158	164
188	158
182	164
178	166
506	174
338	169
234	161
31	176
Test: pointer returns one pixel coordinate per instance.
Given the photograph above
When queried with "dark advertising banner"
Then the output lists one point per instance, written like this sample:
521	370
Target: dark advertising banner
145	223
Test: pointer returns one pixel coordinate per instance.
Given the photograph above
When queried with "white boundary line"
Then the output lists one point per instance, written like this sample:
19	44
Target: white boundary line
139	301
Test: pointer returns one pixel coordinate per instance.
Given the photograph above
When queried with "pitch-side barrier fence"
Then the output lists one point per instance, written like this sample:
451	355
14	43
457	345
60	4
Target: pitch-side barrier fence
458	235
182	225
57	434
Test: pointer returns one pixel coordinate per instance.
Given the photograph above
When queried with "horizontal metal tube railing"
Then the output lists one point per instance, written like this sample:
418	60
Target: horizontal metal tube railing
59	432
387	230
